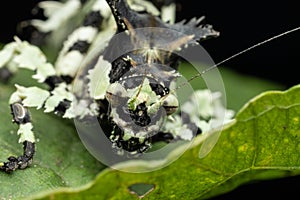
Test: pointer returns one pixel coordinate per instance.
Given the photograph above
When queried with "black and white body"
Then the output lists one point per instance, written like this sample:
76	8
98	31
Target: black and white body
131	93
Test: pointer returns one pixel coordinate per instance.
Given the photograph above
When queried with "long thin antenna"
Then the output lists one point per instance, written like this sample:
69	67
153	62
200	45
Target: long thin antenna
237	54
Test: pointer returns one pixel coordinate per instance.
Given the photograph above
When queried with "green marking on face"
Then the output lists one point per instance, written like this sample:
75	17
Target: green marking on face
142	94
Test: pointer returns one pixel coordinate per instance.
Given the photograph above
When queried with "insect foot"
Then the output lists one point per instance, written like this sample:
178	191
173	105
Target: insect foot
20	162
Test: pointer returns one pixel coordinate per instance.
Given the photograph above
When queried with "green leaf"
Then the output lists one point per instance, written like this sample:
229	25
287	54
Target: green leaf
262	143
63	168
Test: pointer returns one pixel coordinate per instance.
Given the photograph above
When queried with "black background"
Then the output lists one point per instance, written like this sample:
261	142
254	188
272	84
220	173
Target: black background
245	23
241	24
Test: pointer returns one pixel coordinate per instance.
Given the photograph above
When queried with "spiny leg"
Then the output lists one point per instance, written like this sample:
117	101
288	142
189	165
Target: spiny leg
73	50
57	100
70	58
21	116
24	98
58	21
19	102
80	40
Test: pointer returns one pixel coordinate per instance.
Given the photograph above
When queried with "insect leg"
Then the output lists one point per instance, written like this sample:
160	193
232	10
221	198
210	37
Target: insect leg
21	116
20	101
79	41
17	55
75	49
60	18
21	55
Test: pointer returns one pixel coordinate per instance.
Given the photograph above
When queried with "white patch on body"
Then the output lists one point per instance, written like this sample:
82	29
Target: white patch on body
58	13
6	53
81	108
99	79
30	97
25	133
142	5
59	94
102	6
168	13
68	63
21	54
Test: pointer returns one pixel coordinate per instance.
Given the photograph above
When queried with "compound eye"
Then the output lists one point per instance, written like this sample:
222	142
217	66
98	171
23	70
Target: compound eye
170	104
